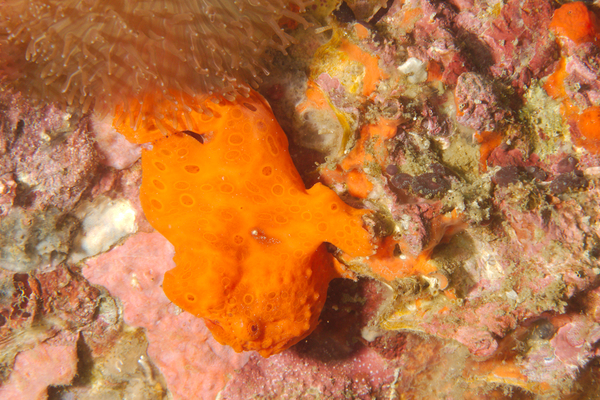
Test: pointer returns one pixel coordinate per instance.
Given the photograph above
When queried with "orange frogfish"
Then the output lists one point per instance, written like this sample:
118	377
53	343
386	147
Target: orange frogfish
249	238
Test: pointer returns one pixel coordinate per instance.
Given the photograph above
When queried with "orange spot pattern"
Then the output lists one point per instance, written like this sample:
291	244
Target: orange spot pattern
248	236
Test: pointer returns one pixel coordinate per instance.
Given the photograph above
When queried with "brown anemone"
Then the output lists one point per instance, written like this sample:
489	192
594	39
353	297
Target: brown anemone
110	52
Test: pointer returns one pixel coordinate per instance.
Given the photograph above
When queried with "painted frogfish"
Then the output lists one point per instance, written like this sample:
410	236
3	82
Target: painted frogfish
250	240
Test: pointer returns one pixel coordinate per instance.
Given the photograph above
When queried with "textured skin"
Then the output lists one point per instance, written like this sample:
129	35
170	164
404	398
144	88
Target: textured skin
248	236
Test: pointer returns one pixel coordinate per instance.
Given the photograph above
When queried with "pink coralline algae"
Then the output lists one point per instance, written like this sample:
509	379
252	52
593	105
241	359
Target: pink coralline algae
193	363
564	352
34	370
479	342
581	82
479	107
114	150
294	376
574	342
514	45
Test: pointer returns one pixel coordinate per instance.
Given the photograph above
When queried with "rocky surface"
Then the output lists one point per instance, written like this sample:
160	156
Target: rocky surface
468	126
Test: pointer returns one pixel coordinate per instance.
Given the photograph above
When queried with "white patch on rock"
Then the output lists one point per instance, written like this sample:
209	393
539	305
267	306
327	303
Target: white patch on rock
370	333
104	223
415	69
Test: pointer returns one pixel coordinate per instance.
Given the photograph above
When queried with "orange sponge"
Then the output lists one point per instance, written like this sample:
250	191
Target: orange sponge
588	123
249	238
574	21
